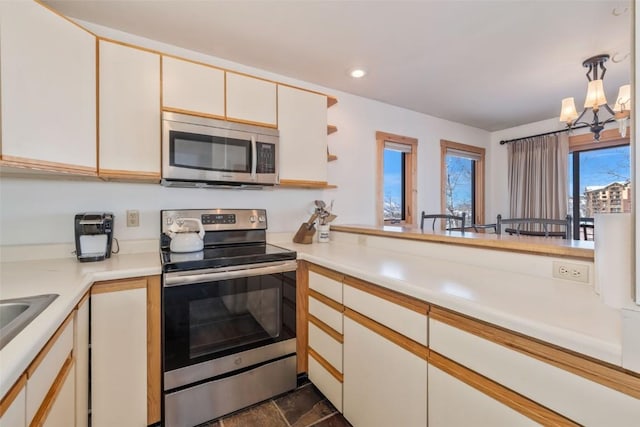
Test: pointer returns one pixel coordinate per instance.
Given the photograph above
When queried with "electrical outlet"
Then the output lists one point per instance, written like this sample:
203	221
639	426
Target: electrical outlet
133	218
570	271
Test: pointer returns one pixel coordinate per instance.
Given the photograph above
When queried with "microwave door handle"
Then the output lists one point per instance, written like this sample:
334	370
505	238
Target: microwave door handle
254	157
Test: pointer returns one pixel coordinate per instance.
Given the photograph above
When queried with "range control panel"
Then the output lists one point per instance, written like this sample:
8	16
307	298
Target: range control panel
217	219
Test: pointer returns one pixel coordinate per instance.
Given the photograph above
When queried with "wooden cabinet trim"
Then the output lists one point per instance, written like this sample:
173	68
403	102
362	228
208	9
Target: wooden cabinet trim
113	174
302	313
250	122
193	113
326	328
331	274
514	400
11	395
393	336
118	285
326	300
42	165
395	297
153	349
326	365
49	345
597	371
50	398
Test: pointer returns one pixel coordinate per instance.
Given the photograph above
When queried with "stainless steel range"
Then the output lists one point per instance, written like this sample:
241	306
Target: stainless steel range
229	315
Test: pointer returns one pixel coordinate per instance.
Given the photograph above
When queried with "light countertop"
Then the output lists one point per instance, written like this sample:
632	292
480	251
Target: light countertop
69	279
569	315
559	312
578	249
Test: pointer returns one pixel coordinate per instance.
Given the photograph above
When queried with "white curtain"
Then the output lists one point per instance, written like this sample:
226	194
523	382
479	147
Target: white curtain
538	177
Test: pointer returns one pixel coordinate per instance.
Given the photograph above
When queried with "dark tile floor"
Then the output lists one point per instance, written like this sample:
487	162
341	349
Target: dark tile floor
303	407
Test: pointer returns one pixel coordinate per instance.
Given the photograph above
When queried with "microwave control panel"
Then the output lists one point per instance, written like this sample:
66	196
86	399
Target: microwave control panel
266	158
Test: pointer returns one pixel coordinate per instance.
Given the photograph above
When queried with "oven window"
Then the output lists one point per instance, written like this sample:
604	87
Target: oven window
227	321
194	151
214	319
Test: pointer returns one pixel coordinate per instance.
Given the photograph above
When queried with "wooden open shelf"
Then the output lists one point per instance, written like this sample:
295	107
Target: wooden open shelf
331	101
331	129
331	157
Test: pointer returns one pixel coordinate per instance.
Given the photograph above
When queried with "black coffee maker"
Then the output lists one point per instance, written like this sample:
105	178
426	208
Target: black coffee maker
94	236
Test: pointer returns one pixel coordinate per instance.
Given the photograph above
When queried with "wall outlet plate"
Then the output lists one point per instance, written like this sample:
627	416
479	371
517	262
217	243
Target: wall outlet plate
571	271
133	218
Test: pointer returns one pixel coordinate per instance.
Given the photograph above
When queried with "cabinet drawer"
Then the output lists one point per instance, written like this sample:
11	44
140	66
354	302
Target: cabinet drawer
326	346
480	409
326	286
401	319
326	314
326	383
44	370
571	395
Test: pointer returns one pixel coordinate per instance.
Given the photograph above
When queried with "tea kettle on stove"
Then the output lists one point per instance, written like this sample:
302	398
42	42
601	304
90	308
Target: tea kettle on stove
184	240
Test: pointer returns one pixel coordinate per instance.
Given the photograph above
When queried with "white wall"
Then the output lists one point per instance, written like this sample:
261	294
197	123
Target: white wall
42	210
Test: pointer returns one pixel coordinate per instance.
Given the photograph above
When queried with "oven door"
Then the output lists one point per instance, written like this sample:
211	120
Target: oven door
215	315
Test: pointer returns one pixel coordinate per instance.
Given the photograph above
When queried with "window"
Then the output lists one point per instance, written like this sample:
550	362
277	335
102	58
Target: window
462	180
397	165
599	179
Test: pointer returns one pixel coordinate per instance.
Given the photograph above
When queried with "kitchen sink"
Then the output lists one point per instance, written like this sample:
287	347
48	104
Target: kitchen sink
17	313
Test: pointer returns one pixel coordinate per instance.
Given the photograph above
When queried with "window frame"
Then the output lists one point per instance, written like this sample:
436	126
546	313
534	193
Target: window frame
478	178
409	179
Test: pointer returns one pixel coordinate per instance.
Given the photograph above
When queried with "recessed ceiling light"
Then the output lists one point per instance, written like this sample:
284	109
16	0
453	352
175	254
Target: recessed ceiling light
358	73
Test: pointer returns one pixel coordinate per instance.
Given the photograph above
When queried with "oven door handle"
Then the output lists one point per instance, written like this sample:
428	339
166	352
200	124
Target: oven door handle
180	278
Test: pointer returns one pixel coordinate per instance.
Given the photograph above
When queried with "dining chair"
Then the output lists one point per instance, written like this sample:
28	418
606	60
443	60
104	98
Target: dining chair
542	227
586	224
450	219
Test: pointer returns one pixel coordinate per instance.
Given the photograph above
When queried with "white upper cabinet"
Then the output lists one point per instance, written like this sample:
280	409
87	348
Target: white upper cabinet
129	123
302	121
193	88
251	100
48	90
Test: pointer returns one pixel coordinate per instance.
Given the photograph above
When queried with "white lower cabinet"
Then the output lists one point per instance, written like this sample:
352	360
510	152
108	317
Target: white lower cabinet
12	410
62	410
81	356
452	403
384	384
119	353
572	396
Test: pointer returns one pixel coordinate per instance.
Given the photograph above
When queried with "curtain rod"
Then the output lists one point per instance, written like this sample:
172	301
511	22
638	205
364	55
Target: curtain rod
542	134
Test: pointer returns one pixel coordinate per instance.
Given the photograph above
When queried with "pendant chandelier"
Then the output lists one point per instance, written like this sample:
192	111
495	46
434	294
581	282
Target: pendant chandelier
596	102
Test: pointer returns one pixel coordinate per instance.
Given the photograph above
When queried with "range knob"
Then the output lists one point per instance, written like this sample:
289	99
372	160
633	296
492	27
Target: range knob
262	218
252	219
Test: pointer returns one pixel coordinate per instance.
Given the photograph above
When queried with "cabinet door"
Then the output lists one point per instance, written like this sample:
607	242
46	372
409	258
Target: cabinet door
12	406
453	403
61	412
48	90
251	100
384	384
81	354
129	123
119	354
188	87
302	121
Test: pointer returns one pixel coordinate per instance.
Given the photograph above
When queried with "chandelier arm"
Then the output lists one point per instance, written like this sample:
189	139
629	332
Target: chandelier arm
604	70
578	119
606	106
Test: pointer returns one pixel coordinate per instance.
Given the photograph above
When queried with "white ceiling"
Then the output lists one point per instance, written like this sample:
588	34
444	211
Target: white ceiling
487	64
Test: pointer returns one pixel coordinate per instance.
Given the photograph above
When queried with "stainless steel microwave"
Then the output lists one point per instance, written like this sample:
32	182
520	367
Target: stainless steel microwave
200	152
